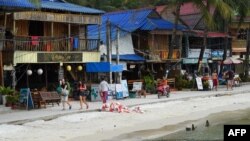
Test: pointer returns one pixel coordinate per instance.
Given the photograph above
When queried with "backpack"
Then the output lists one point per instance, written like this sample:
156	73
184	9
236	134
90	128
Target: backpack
59	89
68	86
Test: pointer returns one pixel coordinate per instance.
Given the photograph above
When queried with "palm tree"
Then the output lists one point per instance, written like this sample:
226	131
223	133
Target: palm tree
177	4
204	7
223	9
241	8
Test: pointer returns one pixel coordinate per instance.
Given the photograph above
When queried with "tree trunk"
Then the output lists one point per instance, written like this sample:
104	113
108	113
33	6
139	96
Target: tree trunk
173	39
246	63
203	48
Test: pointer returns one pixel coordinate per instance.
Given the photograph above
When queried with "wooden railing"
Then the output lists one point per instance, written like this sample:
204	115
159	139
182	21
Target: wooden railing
38	43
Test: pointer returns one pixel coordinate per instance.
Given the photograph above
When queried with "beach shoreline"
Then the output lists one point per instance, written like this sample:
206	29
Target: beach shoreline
151	129
101	126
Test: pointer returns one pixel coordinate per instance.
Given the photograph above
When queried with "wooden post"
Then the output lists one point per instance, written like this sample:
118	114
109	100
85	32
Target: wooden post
46	76
2	36
118	79
109	48
52	29
247	55
14	33
14	44
5	20
99	36
1	69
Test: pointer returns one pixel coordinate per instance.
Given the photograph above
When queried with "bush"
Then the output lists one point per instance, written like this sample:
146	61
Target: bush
205	84
149	83
244	78
183	83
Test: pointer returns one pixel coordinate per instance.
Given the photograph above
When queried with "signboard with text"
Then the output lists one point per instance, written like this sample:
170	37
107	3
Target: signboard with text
199	83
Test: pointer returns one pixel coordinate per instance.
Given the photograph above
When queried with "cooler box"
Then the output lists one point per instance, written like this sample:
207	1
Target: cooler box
119	95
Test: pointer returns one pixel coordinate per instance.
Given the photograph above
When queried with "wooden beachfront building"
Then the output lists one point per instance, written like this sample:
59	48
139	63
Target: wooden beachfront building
48	43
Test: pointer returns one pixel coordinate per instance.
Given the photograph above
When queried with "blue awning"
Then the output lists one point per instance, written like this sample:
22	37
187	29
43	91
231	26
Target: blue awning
103	67
129	57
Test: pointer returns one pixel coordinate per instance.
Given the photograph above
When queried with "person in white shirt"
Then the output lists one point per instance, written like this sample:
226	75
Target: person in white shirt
103	51
103	90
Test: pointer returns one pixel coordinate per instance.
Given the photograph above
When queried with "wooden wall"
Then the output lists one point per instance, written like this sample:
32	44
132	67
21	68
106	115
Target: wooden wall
158	42
22	28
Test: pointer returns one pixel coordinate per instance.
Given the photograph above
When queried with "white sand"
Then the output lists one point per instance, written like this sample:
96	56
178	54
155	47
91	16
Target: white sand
107	126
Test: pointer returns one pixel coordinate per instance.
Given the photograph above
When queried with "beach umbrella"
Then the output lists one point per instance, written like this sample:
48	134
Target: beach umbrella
231	60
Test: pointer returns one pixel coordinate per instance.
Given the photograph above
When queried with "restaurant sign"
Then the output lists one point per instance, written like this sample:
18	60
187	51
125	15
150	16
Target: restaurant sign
56	17
59	57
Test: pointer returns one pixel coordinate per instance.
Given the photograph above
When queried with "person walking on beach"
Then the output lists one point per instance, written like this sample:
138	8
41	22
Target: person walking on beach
82	89
103	90
65	94
215	80
230	79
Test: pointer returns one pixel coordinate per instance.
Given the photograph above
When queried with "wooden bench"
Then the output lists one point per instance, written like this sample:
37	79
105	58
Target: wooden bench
49	97
37	100
171	82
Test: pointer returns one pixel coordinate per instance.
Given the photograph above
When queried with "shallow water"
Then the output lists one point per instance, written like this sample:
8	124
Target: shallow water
215	129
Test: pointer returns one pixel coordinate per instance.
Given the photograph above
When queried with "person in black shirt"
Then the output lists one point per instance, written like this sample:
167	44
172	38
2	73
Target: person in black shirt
230	79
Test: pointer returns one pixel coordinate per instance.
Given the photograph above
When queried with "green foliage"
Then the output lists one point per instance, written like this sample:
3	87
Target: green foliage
205	84
149	83
244	78
12	99
181	83
6	90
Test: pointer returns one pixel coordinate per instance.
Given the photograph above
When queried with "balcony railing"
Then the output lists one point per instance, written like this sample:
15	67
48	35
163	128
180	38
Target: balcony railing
38	43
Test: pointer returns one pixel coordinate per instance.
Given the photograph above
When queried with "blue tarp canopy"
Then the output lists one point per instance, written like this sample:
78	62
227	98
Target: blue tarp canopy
16	4
65	6
129	57
129	21
103	67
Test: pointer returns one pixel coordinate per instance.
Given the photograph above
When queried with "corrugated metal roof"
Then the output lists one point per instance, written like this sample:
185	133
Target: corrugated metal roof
16	4
153	24
65	6
200	33
129	21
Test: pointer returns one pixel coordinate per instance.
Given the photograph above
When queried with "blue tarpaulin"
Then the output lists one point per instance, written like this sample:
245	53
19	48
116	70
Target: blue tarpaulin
129	57
103	67
16	4
75	43
129	21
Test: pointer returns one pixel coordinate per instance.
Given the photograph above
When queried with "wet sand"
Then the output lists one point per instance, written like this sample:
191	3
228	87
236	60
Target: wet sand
172	132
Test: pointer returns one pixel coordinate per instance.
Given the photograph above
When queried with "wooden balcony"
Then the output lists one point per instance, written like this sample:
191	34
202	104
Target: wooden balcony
38	43
163	54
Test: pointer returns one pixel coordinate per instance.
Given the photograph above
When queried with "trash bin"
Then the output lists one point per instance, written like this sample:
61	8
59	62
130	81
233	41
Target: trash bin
132	94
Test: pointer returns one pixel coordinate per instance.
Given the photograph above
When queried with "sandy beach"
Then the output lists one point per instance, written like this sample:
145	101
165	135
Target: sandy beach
173	115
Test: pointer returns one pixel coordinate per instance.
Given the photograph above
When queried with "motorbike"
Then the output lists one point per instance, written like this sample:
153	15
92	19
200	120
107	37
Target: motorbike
163	90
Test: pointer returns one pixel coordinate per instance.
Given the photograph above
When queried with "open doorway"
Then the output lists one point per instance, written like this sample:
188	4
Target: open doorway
36	28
